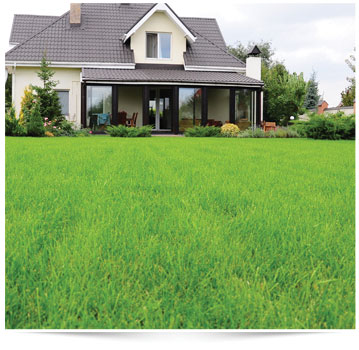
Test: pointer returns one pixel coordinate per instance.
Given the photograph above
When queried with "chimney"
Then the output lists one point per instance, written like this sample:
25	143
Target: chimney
254	64
75	14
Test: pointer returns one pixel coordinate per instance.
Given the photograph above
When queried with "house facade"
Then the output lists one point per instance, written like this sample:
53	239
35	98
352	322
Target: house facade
114	62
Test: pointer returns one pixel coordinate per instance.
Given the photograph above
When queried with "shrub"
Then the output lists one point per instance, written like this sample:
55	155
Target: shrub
13	127
124	131
27	102
35	126
202	131
229	130
330	126
278	133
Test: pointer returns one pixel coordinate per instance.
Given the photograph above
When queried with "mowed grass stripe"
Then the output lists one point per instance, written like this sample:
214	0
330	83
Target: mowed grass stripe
179	233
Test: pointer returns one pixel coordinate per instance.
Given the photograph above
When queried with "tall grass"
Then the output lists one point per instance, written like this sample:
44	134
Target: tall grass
179	233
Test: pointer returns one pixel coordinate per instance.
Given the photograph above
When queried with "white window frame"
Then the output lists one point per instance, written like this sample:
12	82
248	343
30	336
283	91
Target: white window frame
159	47
65	90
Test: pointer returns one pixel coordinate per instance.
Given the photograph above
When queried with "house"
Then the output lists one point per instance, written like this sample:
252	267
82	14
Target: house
323	107
114	60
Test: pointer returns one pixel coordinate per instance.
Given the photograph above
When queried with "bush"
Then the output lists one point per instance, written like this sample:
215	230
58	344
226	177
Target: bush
202	131
35	126
13	127
330	126
229	130
278	133
124	131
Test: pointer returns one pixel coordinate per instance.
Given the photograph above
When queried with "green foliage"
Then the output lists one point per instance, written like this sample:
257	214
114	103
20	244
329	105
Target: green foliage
27	103
348	95
240	51
8	92
312	94
35	125
330	126
202	131
283	94
124	131
170	232
278	133
49	100
13	127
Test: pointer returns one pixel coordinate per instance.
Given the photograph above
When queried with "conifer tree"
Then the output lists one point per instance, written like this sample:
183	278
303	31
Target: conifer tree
312	96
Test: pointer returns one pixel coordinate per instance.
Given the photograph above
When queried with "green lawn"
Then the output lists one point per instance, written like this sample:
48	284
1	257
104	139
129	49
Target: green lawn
179	233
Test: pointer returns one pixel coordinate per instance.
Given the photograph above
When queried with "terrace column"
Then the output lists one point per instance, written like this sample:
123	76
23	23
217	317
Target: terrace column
145	104
204	106
83	105
232	105
115	120
175	106
258	107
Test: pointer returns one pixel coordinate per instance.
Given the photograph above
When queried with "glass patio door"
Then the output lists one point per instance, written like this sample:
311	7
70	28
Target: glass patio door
160	115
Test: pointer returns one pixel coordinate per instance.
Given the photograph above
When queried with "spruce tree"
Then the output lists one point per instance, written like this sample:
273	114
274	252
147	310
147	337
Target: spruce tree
48	98
312	96
35	126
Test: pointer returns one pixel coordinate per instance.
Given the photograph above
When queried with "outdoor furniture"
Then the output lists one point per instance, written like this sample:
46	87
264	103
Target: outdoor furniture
213	122
268	126
122	117
132	121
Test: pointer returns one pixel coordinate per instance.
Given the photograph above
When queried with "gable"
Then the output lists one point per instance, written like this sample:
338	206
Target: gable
165	9
159	23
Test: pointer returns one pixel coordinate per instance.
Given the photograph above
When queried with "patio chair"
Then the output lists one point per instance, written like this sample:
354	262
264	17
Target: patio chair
132	121
122	117
267	126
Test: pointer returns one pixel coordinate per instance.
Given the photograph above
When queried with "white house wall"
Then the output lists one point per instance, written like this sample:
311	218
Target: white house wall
69	79
159	22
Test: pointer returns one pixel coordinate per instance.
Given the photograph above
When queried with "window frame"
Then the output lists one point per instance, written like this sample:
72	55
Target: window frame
68	103
159	47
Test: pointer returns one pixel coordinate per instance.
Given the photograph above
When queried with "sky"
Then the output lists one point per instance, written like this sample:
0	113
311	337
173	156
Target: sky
308	37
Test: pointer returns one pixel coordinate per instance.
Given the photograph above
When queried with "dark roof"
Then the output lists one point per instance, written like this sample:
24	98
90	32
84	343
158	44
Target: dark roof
209	49
255	51
99	38
25	26
169	75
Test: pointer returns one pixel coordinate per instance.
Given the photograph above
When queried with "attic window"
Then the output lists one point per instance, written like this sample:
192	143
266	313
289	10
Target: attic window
158	45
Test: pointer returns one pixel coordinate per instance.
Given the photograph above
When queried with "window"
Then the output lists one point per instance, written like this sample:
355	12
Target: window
99	107
64	101
190	107
158	45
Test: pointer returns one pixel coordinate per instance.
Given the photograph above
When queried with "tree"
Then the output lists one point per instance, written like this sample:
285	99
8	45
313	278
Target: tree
48	98
283	93
8	92
35	125
312	95
26	104
348	95
241	52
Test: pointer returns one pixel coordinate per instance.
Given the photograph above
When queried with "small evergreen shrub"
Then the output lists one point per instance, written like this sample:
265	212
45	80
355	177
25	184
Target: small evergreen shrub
13	127
35	126
330	126
229	130
202	131
124	131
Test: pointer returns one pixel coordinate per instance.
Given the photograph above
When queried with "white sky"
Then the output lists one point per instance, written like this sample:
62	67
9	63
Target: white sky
306	36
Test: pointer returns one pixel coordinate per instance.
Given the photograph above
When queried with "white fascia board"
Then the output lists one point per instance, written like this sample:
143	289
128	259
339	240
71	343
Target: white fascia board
73	64
215	69
162	8
107	82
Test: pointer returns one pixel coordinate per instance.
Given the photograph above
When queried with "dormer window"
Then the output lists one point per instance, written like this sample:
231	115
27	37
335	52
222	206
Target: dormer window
158	45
